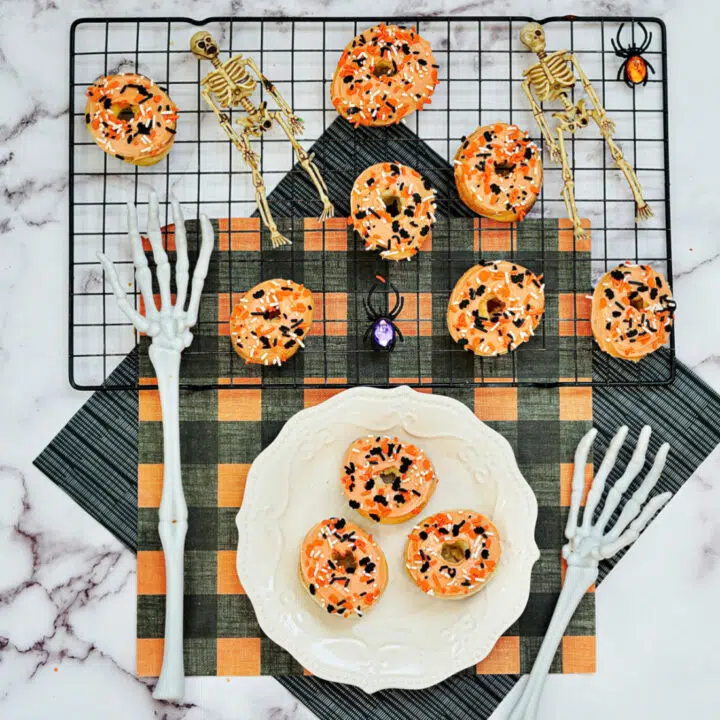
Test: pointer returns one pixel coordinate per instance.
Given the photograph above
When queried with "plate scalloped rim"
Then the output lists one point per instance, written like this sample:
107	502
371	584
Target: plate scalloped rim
403	402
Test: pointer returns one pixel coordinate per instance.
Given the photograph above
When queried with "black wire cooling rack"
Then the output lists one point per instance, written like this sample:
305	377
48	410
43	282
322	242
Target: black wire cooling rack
481	61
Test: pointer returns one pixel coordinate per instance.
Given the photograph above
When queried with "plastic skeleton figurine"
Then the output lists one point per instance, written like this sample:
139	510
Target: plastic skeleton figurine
590	542
230	85
552	79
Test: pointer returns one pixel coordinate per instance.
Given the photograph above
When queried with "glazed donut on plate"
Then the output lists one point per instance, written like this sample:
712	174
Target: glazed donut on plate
494	307
383	75
393	209
270	322
498	172
131	118
387	480
342	567
453	554
632	311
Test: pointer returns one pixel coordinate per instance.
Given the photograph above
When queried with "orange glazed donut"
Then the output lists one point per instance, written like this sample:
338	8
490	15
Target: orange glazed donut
632	311
342	567
498	172
452	554
131	118
270	322
387	480
383	75
393	208
494	307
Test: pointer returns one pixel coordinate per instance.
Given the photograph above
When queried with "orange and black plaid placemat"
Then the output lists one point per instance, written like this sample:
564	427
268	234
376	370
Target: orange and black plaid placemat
223	430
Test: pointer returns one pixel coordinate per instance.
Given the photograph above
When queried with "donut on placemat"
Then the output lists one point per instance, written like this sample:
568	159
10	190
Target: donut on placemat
498	172
393	208
342	567
384	74
632	311
271	321
494	307
453	554
387	480
131	118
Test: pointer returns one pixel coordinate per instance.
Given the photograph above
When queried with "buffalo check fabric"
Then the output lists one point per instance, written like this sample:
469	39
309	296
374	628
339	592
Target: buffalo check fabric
222	430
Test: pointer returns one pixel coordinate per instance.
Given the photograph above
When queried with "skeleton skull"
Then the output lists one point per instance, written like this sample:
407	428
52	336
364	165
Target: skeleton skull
532	37
203	45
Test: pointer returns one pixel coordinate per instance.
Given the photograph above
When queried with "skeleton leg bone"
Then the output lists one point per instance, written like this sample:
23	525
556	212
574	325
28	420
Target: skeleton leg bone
306	161
276	237
568	191
642	209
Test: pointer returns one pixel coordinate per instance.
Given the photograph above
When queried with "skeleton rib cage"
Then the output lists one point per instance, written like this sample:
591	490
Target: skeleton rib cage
230	82
552	76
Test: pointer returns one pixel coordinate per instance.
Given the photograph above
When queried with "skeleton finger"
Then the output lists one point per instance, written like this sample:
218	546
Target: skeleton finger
633	533
140	322
182	266
633	505
612	500
598	486
143	278
207	244
578	481
162	264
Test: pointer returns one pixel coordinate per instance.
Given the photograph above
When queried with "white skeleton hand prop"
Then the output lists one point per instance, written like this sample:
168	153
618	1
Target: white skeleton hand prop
589	542
169	327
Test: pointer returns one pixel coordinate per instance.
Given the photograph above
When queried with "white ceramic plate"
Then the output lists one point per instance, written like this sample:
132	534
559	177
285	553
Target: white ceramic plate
408	640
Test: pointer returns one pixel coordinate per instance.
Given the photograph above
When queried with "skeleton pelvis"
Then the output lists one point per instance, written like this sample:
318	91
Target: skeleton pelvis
257	120
573	119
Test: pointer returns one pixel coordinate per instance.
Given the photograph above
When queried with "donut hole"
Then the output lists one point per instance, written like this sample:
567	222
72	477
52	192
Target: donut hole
272	313
126	113
495	306
504	169
345	560
453	553
392	203
383	68
388	476
638	303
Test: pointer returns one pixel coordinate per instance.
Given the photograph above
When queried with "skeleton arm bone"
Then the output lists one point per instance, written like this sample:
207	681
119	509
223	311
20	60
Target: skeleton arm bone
270	87
604	120
542	123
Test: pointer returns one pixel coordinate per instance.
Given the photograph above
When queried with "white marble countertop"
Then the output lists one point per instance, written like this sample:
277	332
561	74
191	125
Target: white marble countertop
67	588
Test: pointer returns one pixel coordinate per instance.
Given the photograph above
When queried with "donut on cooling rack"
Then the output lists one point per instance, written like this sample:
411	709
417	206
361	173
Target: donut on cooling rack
131	118
453	554
494	307
384	74
632	311
387	480
271	321
342	567
498	172
393	208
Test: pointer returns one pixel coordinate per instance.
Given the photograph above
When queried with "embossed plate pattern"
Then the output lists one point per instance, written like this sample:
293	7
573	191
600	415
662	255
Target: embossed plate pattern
409	640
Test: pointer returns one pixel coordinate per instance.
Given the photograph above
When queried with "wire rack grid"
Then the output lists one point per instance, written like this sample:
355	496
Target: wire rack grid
480	62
